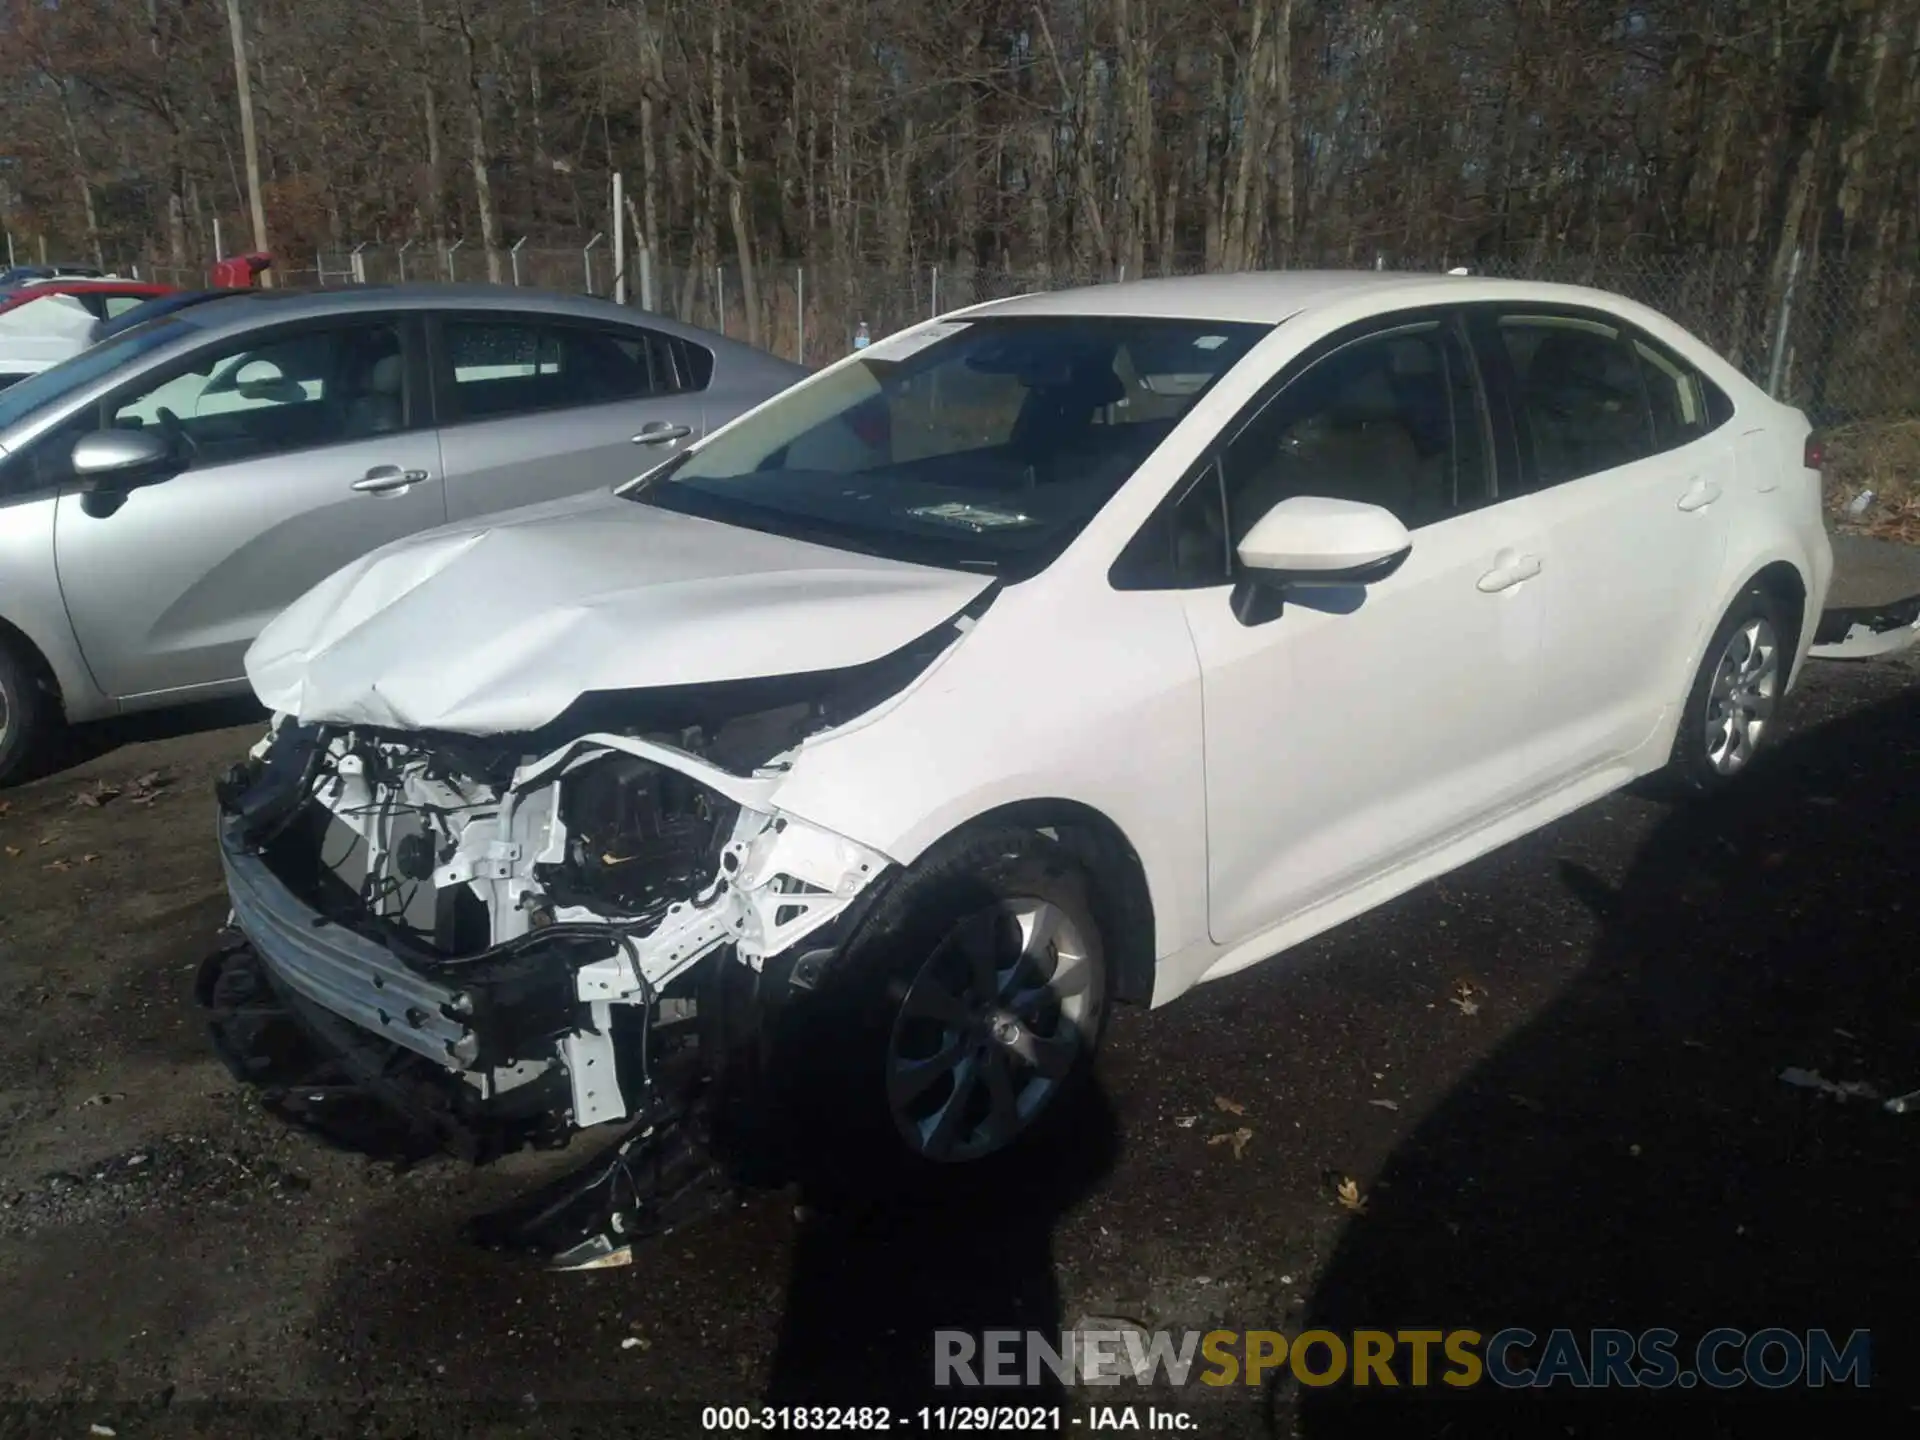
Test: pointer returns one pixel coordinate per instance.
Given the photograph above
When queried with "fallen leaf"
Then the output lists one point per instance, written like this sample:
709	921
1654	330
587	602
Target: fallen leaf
5	806
13	852
46	839
1385	1104
1526	1104
1231	1107
1237	1138
61	865
96	794
1348	1193
1466	1005
105	1097
88	859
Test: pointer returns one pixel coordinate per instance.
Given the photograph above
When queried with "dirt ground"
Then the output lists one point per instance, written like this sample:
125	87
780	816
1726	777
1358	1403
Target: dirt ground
1553	1079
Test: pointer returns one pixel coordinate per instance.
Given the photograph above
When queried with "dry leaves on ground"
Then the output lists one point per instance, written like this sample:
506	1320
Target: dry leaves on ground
1236	1138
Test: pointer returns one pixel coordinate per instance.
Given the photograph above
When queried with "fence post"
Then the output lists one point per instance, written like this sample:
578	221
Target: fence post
450	249
400	258
1776	371
646	279
586	258
359	264
219	245
619	245
800	315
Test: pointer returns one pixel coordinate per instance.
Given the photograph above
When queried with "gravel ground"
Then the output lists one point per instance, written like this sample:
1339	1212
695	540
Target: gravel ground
1552	1079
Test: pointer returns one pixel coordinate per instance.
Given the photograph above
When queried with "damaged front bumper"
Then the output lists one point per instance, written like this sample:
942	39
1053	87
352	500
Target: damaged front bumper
526	939
1860	632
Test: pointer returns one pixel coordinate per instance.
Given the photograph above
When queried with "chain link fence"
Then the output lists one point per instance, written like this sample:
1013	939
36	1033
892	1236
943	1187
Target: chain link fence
1837	336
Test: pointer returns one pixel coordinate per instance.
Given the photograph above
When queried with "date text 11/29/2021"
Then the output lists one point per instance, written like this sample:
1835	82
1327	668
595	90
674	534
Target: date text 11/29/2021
983	1419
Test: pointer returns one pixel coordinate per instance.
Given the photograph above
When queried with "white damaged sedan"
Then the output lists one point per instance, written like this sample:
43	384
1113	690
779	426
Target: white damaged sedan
1069	650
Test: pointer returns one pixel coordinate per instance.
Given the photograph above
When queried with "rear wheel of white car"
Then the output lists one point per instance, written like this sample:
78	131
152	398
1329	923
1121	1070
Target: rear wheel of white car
26	713
979	990
1734	706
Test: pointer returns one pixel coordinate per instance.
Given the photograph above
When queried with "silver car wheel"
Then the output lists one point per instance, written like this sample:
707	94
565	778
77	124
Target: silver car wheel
990	1027
1746	688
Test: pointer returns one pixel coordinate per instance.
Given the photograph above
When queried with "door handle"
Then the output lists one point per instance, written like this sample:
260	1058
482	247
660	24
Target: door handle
660	432
384	479
1700	494
1509	574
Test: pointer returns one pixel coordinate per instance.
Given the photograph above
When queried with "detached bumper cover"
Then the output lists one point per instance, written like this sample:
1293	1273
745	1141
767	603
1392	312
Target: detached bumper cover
1861	632
353	977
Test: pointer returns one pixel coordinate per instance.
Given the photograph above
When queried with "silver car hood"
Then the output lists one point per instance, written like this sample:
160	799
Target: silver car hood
499	626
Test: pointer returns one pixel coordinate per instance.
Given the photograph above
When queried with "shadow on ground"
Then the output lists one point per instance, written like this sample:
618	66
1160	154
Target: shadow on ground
878	1269
1633	1158
78	744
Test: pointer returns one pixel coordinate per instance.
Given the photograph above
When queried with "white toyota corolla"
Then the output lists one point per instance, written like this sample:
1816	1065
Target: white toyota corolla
1069	650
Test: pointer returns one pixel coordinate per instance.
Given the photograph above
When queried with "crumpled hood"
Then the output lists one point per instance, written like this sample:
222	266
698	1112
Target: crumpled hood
499	626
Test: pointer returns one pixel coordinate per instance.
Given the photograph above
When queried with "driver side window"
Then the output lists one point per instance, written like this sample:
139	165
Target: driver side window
293	392
1392	419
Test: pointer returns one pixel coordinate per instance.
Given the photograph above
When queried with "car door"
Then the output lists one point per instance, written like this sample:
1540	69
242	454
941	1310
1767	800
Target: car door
299	449
537	406
1349	730
1631	484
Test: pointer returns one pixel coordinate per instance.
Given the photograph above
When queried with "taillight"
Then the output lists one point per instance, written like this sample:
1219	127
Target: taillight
1814	457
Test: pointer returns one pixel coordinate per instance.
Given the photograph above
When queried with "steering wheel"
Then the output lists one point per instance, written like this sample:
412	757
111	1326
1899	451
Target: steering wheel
176	433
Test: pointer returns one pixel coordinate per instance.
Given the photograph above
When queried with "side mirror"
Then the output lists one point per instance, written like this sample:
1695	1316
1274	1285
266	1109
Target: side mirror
119	460
1314	542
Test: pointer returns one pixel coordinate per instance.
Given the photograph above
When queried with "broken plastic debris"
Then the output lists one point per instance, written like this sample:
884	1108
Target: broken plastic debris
633	1342
98	1429
1814	1080
1114	1360
1186	1122
1903	1104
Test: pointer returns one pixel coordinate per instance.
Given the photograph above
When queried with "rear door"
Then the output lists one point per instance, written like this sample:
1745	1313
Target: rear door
536	406
1630	480
301	448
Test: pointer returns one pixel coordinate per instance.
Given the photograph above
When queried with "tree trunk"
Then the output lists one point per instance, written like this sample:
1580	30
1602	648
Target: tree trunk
477	126
434	197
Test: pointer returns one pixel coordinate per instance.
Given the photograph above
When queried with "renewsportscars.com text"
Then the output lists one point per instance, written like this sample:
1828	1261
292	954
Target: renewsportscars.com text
1512	1358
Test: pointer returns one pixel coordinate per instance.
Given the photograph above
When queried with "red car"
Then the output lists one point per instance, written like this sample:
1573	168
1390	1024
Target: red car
105	298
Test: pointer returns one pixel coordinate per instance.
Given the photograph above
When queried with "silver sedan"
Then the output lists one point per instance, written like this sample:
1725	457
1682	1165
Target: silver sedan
167	492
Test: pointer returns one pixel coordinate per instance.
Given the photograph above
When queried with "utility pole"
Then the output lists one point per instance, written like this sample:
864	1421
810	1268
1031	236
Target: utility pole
248	140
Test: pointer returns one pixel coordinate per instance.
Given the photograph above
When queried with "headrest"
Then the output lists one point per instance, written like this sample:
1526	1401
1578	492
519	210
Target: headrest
387	376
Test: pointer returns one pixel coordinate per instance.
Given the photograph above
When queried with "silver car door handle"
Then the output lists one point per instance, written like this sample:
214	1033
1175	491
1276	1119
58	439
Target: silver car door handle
659	432
1699	495
382	479
1503	577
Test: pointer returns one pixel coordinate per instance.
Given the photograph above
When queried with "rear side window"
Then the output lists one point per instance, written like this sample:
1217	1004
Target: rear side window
1580	397
1685	404
500	368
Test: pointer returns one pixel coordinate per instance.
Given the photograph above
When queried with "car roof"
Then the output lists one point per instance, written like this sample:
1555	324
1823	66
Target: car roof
1271	296
247	309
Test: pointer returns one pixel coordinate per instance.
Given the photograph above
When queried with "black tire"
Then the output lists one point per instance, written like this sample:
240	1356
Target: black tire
1699	765
841	1057
27	715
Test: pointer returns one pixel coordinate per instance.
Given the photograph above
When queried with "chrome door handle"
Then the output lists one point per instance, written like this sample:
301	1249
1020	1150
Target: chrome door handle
659	432
1503	577
1699	495
383	479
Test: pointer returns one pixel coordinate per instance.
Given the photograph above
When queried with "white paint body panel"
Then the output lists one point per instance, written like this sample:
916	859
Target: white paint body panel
1273	780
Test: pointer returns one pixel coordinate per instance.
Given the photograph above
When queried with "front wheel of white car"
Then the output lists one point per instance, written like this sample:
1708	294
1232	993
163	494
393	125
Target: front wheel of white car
972	1002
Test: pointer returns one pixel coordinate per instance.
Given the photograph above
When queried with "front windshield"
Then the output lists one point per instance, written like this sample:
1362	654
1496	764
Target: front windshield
19	401
976	444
